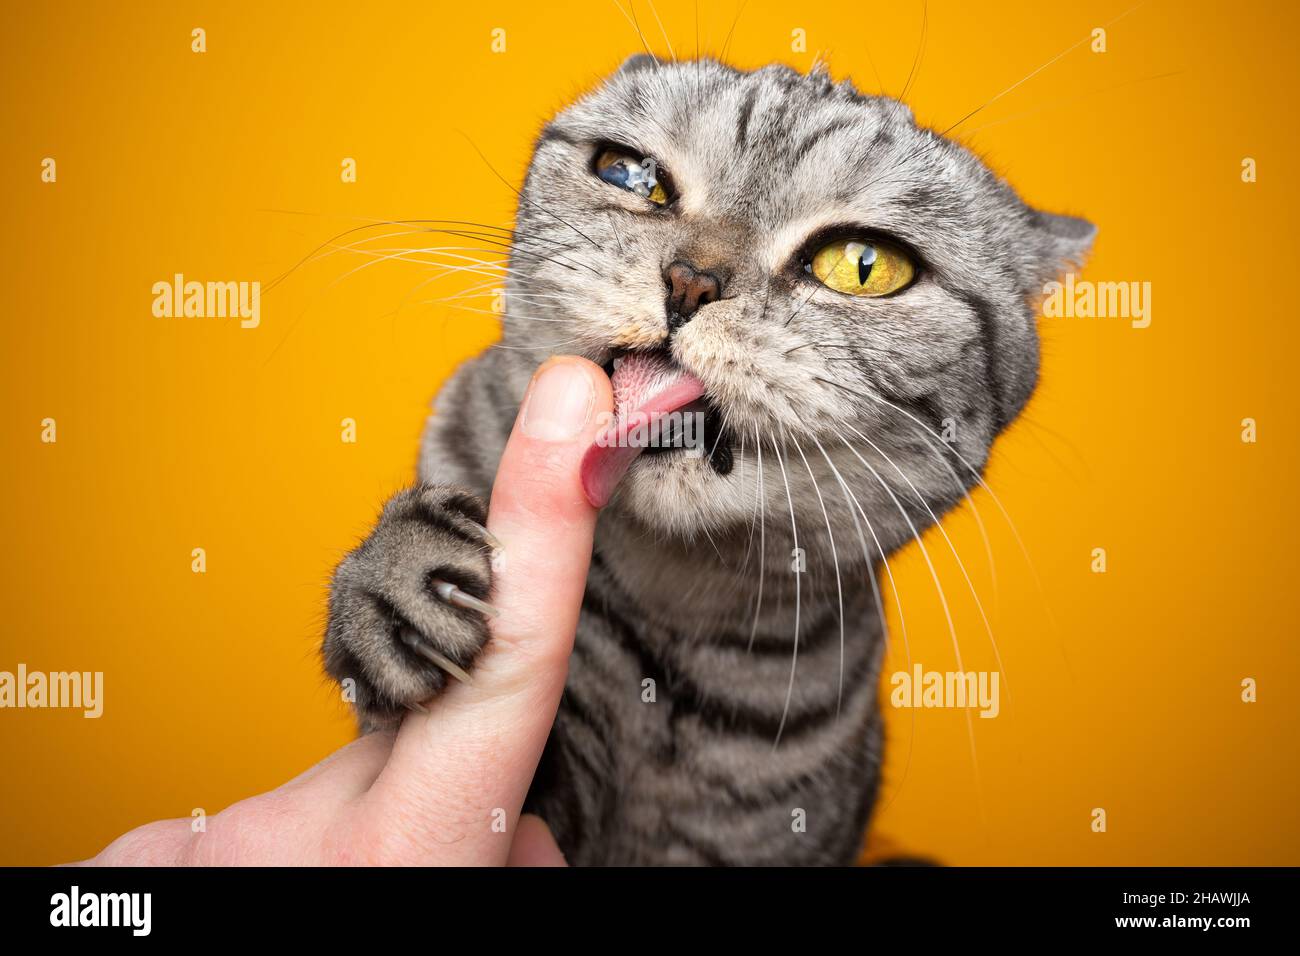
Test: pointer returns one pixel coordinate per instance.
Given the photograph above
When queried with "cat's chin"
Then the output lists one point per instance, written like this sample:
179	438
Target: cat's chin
681	494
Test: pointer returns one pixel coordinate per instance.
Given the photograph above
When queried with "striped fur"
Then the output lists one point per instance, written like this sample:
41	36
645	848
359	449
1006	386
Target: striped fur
720	707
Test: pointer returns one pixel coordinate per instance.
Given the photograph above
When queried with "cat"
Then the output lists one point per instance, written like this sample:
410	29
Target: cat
849	300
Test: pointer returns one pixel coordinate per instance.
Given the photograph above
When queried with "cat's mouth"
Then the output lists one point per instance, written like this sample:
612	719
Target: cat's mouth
659	409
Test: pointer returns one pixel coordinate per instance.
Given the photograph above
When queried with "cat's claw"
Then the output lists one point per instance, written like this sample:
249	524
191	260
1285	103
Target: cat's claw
412	640
458	598
491	540
408	613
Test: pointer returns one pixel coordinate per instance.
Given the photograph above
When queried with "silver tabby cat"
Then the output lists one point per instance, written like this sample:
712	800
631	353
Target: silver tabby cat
856	296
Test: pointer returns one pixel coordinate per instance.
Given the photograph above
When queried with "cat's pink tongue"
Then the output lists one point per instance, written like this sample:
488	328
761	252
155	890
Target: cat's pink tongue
649	386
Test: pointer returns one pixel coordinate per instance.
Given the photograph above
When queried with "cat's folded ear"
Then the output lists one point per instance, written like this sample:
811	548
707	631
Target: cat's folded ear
1061	243
638	62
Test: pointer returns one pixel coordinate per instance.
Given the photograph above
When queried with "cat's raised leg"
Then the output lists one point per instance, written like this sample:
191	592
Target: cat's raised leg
408	608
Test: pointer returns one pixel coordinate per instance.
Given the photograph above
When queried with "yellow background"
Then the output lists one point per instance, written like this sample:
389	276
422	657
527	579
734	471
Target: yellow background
177	434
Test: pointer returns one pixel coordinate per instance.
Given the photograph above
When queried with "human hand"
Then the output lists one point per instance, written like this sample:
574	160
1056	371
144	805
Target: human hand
446	789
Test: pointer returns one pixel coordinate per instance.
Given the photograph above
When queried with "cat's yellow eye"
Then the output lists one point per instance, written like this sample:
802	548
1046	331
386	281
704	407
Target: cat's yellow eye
861	267
640	176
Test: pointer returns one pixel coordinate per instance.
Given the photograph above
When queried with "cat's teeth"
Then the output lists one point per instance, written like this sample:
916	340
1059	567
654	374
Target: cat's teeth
617	362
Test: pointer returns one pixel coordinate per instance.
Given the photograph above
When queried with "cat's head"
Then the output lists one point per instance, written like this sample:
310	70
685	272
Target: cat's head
843	285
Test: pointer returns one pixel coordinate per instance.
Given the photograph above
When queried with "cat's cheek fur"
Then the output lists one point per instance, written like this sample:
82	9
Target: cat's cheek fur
683	496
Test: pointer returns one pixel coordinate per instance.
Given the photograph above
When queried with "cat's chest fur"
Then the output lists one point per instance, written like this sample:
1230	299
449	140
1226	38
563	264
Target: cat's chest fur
665	747
680	747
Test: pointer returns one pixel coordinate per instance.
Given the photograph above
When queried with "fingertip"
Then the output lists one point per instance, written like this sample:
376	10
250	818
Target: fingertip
567	404
564	400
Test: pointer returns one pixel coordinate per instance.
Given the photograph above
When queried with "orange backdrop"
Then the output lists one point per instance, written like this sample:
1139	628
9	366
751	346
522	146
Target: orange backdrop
1123	688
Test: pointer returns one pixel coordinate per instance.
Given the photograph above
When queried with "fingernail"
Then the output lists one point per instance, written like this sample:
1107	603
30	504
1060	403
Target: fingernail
559	402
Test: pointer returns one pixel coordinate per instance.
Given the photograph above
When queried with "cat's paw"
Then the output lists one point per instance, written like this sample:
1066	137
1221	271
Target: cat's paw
408	608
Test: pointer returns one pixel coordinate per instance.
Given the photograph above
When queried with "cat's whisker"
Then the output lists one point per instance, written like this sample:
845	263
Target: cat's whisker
880	84
704	529
512	248
920	51
762	537
856	510
512	263
798	592
487	290
524	199
413	226
1067	101
496	281
505	257
535	298
376	260
310	256
429	280
975	513
908	159
835	558
979	479
951	547
513	315
722	54
635	26
483	290
1035	426
409	254
668	43
1033	73
474	267
812	292
510	240
753	514
407	300
499	272
943	598
549	348
510	230
829	345
613	231
799	308
511	233
330	248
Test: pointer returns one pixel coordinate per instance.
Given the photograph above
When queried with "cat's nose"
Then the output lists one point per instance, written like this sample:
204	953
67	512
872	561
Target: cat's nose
688	289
